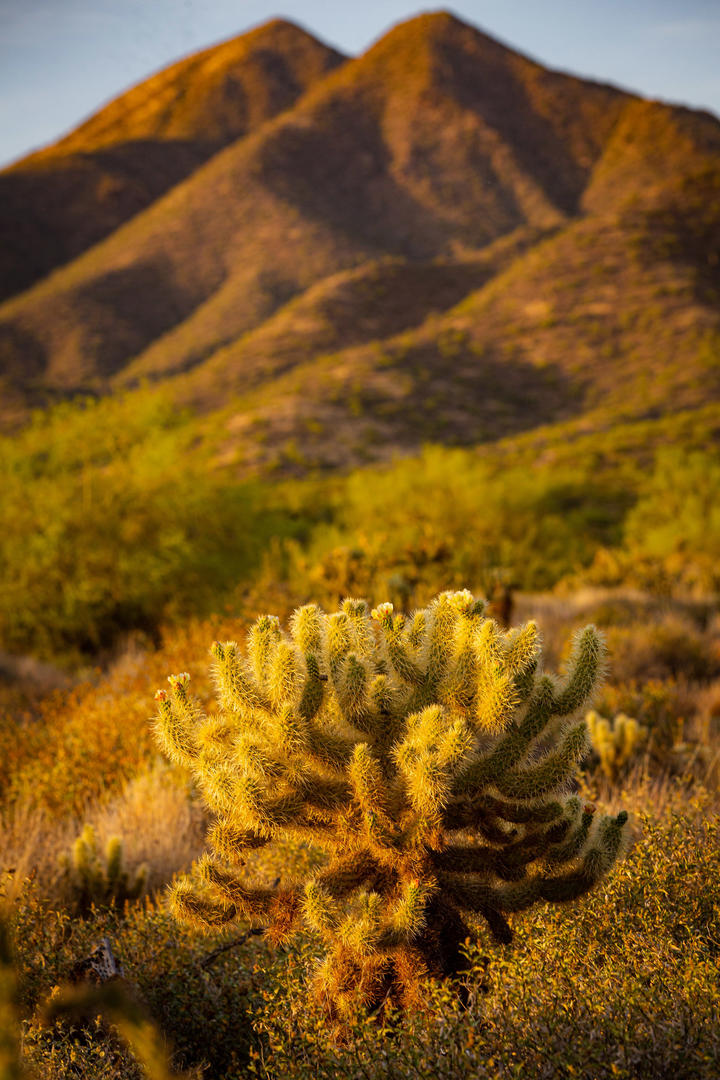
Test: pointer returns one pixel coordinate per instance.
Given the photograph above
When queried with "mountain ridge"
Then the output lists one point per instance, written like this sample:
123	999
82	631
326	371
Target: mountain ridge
71	194
556	216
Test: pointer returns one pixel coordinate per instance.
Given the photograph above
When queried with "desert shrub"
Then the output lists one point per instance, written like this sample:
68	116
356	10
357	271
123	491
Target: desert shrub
671	536
678	511
427	757
448	517
669	646
203	1010
104	510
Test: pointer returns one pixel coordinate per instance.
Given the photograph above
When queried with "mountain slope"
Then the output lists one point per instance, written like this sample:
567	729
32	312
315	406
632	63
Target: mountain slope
406	151
572	332
441	240
61	200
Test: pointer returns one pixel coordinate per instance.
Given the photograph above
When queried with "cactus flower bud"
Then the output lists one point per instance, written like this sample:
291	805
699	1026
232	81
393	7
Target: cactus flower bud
382	611
462	600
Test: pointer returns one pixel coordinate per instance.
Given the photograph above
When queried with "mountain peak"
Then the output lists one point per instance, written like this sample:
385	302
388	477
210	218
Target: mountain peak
123	157
439	28
214	94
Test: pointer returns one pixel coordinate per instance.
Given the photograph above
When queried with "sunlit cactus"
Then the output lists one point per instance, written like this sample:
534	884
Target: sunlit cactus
429	757
96	880
615	742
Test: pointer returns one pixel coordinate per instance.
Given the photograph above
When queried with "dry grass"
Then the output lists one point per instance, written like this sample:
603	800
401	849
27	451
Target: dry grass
160	822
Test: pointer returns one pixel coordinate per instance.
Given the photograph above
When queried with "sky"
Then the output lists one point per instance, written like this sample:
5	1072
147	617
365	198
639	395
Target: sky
60	60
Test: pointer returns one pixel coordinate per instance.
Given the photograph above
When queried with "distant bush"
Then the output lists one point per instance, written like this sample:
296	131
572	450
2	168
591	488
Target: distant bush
671	536
679	508
448	517
111	524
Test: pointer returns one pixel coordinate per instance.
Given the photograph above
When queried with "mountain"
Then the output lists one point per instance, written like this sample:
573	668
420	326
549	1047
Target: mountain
439	240
61	200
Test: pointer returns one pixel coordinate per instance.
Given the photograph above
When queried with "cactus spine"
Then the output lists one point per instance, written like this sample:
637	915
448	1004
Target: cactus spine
429	757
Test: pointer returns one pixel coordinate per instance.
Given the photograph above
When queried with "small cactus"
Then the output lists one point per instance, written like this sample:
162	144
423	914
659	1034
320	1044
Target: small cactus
96	881
428	756
615	742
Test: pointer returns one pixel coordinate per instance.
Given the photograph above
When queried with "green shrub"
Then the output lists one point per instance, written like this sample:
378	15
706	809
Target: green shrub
678	510
104	510
448	517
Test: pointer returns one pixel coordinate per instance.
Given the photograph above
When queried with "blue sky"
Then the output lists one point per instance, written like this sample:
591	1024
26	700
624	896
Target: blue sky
61	59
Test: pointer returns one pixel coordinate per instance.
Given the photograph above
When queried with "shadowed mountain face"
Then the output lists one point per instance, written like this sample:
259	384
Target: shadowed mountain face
59	201
439	221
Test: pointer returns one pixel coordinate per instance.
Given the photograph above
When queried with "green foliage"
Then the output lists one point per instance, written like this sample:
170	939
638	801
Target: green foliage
107	505
99	881
104	510
678	513
201	1009
451	516
671	537
427	757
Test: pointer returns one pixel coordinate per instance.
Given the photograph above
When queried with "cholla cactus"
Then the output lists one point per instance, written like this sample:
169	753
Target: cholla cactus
97	881
429	757
615	742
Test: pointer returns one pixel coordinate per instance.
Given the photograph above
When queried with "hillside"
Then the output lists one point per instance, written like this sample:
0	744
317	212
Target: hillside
440	240
60	201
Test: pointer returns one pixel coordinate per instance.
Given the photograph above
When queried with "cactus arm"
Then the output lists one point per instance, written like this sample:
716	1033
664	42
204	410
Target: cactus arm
547	775
237	690
514	744
330	749
250	903
232	842
396	646
313	691
585	669
203	912
175	725
346	873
